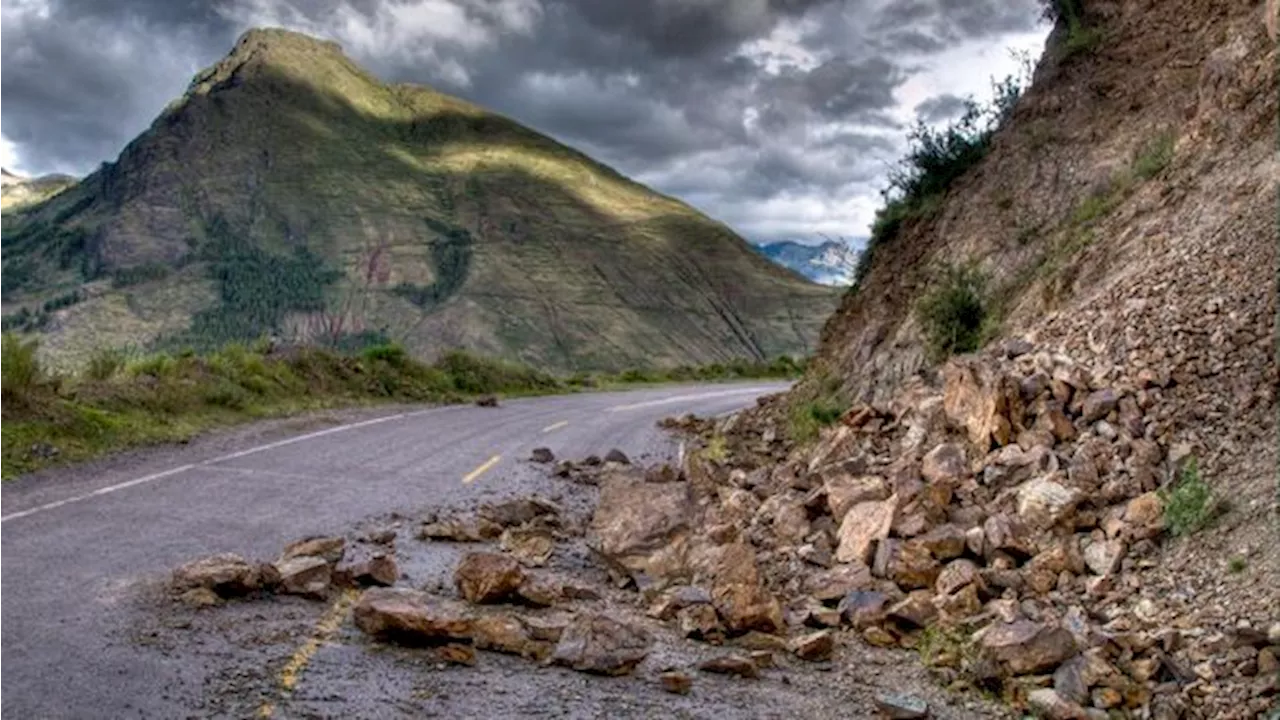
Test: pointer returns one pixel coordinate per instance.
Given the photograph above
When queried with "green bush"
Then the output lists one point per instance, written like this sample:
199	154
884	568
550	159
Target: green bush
20	370
814	405
953	311
1189	503
1154	157
104	364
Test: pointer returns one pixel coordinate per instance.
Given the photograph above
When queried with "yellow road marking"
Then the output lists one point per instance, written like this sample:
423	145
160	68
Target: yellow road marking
555	426
325	629
482	469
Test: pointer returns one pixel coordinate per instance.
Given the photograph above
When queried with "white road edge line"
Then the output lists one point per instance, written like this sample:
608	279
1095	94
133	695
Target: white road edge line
232	456
682	398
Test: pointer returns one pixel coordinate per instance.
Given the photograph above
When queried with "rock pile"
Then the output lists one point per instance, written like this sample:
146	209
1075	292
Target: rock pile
995	523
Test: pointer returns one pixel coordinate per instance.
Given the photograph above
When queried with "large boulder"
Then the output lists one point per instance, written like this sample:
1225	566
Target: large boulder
306	575
600	644
329	548
974	399
1024	647
642	529
484	577
411	616
845	490
225	574
737	591
1045	502
945	463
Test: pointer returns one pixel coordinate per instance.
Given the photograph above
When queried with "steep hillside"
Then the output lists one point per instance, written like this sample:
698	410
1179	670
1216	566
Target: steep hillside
290	191
1080	514
17	191
831	263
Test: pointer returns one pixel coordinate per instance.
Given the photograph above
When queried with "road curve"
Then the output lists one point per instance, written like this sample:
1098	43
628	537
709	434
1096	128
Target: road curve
76	544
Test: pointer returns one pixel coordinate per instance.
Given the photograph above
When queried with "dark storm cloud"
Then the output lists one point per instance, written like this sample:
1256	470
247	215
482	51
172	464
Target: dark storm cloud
725	101
940	108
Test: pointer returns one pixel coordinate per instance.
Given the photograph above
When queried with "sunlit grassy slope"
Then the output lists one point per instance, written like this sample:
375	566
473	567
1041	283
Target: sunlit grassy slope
290	191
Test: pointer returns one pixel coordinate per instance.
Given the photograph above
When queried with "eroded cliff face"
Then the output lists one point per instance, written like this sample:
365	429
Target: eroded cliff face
1090	246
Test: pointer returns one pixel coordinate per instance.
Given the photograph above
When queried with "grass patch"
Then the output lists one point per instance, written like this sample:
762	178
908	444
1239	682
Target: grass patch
1236	565
1189	503
717	449
115	402
1154	157
815	405
954	311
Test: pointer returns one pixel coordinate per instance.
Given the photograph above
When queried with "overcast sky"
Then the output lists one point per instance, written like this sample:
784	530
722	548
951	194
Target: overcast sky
779	117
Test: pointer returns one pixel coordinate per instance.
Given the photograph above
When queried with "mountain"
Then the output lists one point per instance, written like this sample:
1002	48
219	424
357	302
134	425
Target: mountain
290	191
17	191
831	263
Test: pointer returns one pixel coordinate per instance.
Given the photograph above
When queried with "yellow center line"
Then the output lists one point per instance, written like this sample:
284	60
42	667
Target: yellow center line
555	426
325	629
482	469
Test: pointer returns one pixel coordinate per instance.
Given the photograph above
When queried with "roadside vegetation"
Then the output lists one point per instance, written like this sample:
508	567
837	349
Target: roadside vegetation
120	400
953	313
814	405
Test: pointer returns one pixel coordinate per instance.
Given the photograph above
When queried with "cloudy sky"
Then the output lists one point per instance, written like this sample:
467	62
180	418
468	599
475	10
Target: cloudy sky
779	117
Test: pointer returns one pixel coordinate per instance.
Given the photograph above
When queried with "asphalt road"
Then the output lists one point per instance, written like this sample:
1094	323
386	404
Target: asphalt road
79	544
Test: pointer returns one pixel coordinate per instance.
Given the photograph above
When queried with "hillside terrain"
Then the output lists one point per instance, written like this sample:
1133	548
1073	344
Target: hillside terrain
17	191
830	263
290	192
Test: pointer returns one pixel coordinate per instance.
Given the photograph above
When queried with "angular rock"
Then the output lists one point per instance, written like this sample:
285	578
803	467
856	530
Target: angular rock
329	548
700	622
913	567
617	456
1024	647
843	491
305	575
974	400
944	542
519	511
226	574
1103	557
838	581
381	569
1099	404
960	604
786	515
602	645
642	529
200	597
945	463
864	608
956	575
1007	534
411	616
731	665
542	455
1144	515
862	527
1043	502
815	646
530	546
916	609
1049	705
455	530
676	682
506	634
736	588
456	654
484	577
540	591
676	599
902	707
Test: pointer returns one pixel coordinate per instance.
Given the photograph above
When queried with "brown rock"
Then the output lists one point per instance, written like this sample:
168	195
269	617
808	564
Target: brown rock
1268	664
410	616
643	528
305	575
731	665
329	548
530	546
879	637
226	574
863	608
519	511
844	491
902	707
736	588
960	604
786	514
863	526
956	575
945	463
1044	502
1144	515
914	567
540	590
700	622
381	569
1049	705
1007	534
451	529
1024	647
1106	698
1099	404
1103	557
484	577
456	654
200	597
602	645
916	609
676	682
506	634
944	542
838	581
815	646
1056	422
973	399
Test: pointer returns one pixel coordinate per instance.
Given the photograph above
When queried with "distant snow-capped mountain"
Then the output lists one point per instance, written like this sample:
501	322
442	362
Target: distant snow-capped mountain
831	263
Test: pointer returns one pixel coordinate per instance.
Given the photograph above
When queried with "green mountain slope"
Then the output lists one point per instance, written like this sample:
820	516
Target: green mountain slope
290	191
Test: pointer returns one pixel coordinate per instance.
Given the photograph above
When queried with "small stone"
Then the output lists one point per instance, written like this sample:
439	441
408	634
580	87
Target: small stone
1106	698
700	622
617	456
731	665
200	597
902	707
864	525
329	548
863	608
944	463
878	636
1049	705
814	647
1104	557
456	654
676	682
1099	404
542	455
305	575
530	546
1044	502
487	577
601	645
1267	662
226	574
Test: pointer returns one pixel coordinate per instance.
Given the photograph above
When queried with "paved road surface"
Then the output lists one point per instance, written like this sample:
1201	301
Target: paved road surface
77	543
